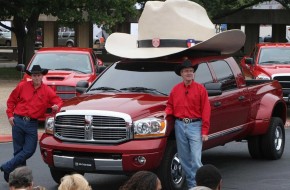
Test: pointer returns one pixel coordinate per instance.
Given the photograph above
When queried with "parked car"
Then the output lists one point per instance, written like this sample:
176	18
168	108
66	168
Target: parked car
269	61
66	39
118	125
5	38
38	38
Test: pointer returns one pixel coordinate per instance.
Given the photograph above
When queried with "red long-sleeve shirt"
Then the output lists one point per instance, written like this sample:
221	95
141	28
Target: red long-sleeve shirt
25	100
190	102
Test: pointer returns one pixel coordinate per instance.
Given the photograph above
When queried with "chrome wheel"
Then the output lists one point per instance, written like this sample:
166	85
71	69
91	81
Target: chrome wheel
176	170
278	139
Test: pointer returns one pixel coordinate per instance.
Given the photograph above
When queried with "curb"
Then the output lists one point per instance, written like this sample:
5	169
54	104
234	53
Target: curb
8	138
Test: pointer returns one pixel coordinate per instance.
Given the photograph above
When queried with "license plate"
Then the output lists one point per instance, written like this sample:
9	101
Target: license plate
86	164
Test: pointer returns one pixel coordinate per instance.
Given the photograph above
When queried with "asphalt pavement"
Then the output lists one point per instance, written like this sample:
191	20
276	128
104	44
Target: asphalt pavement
239	171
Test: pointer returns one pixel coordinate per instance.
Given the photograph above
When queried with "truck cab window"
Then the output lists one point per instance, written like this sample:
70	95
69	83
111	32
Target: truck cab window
224	74
203	74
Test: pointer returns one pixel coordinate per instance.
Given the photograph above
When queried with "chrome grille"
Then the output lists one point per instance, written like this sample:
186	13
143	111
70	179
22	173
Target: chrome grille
101	129
284	80
65	92
66	96
65	88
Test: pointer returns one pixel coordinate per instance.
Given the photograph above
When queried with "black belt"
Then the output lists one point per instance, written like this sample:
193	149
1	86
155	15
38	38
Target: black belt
25	118
188	120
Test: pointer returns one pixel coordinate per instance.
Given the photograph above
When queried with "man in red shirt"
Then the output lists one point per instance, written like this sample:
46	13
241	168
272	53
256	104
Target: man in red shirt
188	103
26	103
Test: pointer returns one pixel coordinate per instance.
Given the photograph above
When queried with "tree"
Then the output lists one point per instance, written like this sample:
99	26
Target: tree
25	14
220	8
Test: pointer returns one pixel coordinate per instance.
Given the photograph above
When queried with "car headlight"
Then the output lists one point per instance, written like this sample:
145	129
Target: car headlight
149	127
49	125
263	77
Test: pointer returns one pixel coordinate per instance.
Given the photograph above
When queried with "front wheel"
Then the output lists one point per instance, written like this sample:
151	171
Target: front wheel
170	171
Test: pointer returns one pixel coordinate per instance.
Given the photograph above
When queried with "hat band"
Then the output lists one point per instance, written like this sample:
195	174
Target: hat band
166	43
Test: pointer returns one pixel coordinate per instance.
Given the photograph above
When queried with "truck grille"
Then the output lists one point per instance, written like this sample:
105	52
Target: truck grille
284	80
93	129
64	92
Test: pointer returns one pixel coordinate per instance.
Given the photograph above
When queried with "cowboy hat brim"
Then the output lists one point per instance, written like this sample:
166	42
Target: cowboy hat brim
125	45
43	72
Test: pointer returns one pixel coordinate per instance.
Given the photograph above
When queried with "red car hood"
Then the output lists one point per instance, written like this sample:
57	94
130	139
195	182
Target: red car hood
275	69
131	103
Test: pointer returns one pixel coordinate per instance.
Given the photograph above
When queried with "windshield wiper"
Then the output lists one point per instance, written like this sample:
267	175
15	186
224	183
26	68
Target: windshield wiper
269	62
142	89
69	69
105	88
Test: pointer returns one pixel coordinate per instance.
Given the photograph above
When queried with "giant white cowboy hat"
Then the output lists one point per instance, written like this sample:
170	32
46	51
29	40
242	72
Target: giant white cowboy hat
170	27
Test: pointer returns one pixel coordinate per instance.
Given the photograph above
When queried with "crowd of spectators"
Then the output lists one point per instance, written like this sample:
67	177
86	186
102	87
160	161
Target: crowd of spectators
207	177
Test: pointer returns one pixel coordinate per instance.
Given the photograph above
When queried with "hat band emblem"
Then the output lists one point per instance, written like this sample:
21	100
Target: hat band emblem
155	42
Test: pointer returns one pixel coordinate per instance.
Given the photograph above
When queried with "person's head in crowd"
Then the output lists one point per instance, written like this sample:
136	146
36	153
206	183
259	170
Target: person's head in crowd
208	176
21	178
74	182
142	180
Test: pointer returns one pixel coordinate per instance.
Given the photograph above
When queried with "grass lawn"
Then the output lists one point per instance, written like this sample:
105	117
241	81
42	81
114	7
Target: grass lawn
9	73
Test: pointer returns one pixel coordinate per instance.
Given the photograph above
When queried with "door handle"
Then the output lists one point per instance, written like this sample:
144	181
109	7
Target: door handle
217	104
241	98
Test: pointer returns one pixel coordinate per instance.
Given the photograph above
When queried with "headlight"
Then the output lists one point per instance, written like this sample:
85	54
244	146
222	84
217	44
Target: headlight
263	77
149	127
49	125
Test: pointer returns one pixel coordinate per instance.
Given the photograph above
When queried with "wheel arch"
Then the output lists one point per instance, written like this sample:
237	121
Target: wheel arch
270	106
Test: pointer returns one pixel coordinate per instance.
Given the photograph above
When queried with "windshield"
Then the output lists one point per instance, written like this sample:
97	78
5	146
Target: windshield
275	55
151	77
63	61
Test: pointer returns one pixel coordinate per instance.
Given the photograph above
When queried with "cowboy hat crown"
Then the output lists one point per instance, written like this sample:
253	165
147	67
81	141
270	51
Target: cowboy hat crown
36	69
185	64
170	27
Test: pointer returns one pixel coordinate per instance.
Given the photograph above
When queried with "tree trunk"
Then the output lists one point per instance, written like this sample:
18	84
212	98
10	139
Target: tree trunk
25	33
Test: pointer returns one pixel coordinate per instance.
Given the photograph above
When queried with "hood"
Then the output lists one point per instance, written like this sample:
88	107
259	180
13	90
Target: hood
275	69
64	78
131	103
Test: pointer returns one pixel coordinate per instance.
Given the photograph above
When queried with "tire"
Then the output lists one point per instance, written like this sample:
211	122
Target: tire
170	171
273	142
57	174
254	147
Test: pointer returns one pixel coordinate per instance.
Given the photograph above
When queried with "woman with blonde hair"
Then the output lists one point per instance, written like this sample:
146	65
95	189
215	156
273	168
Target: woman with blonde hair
74	182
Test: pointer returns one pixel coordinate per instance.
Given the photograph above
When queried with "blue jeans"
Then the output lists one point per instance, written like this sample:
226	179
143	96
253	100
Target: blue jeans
25	138
189	148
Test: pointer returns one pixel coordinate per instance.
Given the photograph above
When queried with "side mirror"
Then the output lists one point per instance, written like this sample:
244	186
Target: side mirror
249	60
213	89
82	86
20	67
100	69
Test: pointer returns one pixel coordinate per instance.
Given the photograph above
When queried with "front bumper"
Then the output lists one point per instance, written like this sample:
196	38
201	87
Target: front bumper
99	158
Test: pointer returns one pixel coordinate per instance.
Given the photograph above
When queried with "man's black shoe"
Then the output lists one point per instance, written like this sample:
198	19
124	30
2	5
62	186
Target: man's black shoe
6	176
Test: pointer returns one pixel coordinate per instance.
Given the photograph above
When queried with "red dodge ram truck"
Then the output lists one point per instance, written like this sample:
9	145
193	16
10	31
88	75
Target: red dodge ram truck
118	124
269	61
